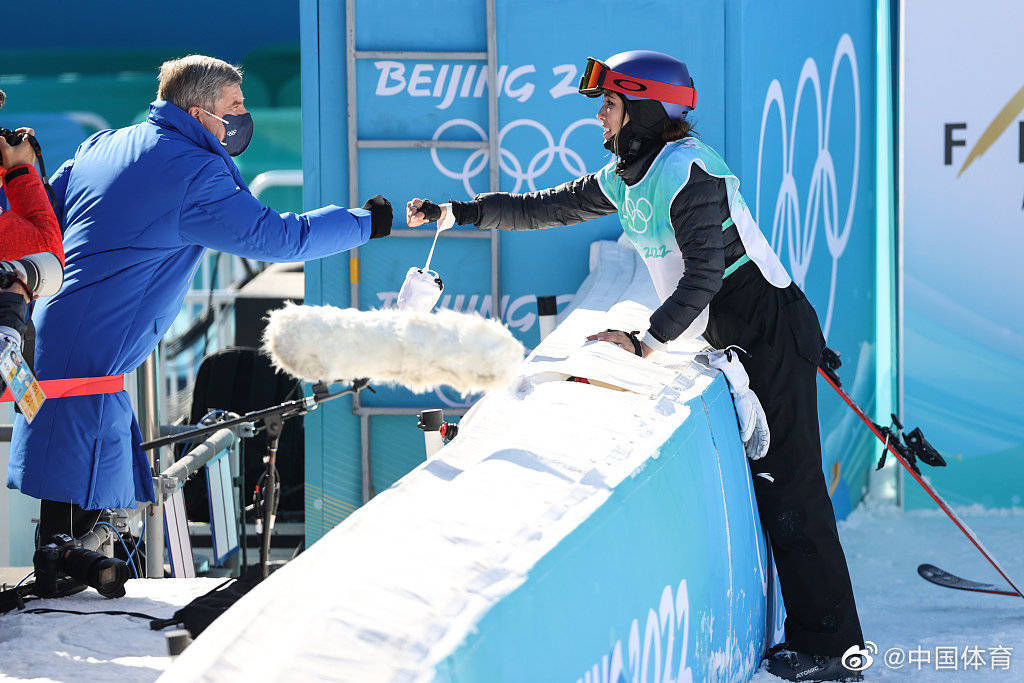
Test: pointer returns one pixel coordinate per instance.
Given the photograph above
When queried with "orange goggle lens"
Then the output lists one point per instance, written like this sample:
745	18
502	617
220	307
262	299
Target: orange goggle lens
593	78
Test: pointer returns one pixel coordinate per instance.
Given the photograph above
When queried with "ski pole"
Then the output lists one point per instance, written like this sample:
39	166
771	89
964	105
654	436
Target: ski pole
831	362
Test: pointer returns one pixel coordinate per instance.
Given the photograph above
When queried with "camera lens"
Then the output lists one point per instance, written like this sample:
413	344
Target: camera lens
107	576
41	273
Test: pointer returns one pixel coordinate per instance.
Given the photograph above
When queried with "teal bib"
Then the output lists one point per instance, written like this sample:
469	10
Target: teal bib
644	211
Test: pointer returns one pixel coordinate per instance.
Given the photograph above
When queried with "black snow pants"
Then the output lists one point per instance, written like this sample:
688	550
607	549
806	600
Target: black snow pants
780	332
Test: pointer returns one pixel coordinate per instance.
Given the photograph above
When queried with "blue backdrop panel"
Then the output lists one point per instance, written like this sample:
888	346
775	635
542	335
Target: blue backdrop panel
629	602
548	132
800	111
809	177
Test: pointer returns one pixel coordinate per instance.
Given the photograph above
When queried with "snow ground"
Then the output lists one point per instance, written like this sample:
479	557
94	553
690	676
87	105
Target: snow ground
67	647
883	546
899	609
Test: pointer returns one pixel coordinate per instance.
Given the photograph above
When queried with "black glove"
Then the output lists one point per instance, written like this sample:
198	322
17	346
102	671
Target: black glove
381	216
430	210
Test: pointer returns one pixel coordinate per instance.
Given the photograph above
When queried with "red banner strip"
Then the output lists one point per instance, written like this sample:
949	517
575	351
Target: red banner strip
80	386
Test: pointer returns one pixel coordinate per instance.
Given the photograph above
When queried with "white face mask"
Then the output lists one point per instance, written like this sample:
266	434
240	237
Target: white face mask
420	291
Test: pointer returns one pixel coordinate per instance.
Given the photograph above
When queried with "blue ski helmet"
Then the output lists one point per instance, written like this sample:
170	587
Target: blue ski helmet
643	74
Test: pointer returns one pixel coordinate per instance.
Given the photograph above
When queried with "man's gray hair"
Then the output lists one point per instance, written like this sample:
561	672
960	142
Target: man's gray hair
196	80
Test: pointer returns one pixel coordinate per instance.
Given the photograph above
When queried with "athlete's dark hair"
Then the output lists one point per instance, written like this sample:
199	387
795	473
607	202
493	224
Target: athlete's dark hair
673	130
677	130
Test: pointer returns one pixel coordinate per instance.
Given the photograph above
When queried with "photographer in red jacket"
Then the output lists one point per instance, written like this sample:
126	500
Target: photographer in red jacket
29	227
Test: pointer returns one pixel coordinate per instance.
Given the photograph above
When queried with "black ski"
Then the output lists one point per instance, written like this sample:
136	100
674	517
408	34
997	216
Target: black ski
939	577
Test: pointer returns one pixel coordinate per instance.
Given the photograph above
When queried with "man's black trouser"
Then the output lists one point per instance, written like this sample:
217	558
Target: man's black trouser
780	332
63	518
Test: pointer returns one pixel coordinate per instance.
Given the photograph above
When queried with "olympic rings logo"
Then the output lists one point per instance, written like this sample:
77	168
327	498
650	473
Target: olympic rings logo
637	215
507	161
822	194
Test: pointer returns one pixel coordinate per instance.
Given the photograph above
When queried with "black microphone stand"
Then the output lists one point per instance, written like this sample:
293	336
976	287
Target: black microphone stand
273	421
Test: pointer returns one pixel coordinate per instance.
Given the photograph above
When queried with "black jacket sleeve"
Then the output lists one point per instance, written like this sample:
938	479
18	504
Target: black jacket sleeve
567	204
697	214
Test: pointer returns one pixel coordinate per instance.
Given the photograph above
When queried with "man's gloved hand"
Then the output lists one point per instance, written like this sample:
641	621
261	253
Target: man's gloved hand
381	216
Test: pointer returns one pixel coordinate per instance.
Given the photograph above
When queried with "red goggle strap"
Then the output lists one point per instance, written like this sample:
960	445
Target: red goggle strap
606	79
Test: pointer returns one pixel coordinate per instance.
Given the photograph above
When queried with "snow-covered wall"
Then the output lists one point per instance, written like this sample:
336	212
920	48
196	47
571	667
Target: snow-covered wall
569	532
665	579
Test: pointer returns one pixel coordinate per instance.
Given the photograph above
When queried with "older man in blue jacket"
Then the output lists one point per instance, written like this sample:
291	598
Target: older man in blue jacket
139	206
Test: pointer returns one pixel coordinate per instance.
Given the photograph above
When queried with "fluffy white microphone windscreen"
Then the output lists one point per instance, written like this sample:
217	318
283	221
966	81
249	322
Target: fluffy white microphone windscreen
420	351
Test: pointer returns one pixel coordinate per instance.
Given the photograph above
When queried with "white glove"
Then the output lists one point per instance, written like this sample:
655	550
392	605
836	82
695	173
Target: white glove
420	291
749	412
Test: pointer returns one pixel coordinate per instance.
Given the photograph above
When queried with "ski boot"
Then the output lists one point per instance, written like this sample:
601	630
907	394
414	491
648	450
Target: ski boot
800	666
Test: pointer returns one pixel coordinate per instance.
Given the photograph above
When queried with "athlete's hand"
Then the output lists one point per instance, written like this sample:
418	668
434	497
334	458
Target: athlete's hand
415	215
622	340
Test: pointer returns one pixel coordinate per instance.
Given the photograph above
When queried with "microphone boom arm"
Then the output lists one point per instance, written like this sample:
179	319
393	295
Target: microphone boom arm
284	411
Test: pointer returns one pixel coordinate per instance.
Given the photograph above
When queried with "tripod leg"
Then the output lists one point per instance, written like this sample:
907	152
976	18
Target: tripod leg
270	497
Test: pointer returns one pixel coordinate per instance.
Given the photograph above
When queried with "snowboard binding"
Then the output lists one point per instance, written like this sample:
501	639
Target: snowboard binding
912	447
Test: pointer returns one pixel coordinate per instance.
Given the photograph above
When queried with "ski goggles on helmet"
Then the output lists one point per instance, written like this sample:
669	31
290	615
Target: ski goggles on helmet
597	78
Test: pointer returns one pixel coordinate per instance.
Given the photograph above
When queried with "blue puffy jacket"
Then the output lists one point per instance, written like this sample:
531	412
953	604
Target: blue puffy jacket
140	205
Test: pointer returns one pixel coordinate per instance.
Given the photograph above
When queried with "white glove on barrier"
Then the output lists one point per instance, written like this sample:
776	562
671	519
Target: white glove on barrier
420	291
752	420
